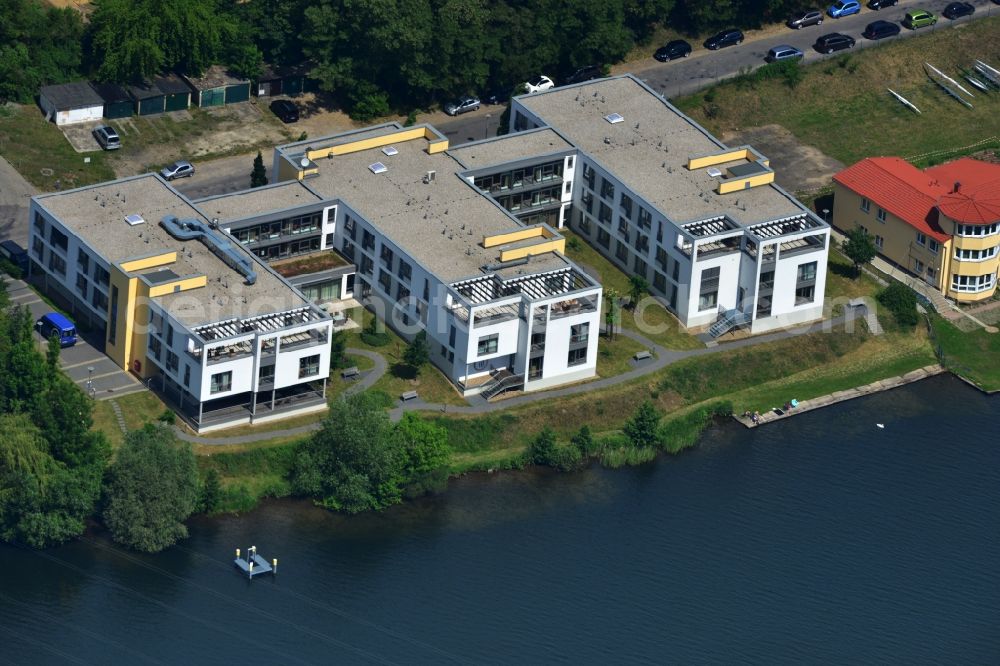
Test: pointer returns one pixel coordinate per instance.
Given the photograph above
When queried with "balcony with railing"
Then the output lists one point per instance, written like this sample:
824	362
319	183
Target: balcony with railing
574	306
309	338
231	352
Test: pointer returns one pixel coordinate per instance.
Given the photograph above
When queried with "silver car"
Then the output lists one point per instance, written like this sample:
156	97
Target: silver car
180	169
803	19
462	105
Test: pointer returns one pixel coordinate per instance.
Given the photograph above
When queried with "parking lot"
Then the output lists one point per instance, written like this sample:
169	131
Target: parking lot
89	368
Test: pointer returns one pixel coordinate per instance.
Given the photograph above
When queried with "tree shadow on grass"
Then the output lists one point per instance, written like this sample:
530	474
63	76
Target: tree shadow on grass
404	371
844	270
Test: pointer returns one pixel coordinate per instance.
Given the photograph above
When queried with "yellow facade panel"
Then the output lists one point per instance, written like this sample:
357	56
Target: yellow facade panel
183	284
513	236
556	245
721	158
734	185
976	242
149	262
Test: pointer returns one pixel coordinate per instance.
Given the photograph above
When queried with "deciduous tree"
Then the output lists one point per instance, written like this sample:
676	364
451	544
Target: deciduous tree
151	489
859	248
641	429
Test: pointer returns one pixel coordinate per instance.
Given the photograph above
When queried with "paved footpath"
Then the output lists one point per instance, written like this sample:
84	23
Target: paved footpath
662	358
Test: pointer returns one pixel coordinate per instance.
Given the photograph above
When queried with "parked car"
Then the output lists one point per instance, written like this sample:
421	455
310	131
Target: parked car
843	8
588	73
723	39
107	137
957	10
14	253
803	19
56	324
539	83
286	110
880	30
783	52
678	48
180	169
918	18
834	41
881	4
462	106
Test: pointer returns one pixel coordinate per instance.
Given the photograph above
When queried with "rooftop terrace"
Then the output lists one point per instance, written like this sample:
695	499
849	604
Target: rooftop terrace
97	215
649	149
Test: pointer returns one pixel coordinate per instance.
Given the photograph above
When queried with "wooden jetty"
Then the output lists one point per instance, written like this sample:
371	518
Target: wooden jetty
253	564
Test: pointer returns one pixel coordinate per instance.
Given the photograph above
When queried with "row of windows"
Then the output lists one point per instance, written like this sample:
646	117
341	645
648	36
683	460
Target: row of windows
973	283
302	224
288	249
977	230
977	255
221	382
929	243
520	177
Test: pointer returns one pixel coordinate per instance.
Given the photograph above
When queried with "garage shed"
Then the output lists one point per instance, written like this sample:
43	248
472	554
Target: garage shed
147	98
117	103
68	103
176	92
218	87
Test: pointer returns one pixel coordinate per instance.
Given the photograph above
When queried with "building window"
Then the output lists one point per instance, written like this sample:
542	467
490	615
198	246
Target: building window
879	241
921	239
488	344
976	230
308	366
661	258
37	247
579	334
349	226
82	262
918	266
265	375
172	361
101	276
155	346
57	264
880	215
402	293
405	271
367	265
58	239
81	285
977	255
933	245
931	273
221	382
639	267
569	162
385	280
866	205
113	317
577	356
805	284
607	190
621	251
451	336
99	301
645	218
587	199
660	282
329	241
387	256
708	294
588	175
626	205
367	241
603	237
604	214
170	335
187	376
972	283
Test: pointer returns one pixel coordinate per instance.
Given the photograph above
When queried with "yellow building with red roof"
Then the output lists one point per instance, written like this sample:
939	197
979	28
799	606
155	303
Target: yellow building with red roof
941	224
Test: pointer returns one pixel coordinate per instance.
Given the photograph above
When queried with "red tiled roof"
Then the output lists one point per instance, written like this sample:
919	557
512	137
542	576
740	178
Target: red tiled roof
900	188
977	200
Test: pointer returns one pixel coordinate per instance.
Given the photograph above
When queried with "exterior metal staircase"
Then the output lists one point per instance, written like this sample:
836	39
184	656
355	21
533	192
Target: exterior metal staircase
727	321
503	381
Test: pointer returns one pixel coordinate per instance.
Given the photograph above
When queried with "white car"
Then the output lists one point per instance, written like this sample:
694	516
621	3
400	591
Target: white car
538	84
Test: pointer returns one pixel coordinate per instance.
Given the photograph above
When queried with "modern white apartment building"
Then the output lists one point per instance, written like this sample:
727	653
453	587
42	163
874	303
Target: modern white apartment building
704	223
225	339
501	305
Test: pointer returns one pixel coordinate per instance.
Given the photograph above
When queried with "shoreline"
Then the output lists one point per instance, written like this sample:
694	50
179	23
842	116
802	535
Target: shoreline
887	384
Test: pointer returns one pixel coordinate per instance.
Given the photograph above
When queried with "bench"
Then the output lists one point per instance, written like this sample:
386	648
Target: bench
642	355
856	303
350	373
409	395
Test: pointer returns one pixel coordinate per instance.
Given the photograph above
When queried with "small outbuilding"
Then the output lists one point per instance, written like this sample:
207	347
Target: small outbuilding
117	103
176	92
147	98
218	87
68	103
289	81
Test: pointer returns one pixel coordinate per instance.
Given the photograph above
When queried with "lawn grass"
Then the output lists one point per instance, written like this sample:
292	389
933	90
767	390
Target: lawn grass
137	409
973	354
37	148
843	108
651	320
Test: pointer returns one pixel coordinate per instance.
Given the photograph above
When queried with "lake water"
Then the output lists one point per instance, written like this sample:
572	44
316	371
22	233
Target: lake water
818	539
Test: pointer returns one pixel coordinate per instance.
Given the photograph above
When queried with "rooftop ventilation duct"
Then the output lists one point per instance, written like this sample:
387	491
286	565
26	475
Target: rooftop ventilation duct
192	228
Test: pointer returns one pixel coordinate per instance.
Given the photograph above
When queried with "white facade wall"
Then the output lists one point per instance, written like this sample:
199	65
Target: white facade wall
729	282
328	226
70	116
784	311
